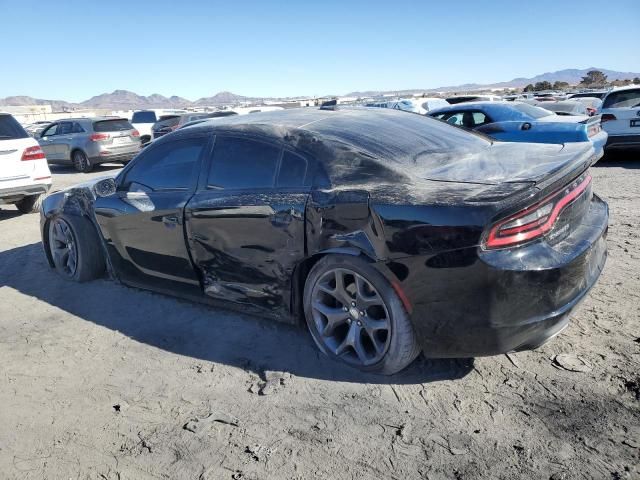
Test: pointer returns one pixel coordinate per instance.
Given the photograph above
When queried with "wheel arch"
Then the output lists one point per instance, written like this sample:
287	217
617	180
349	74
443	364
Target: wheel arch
301	272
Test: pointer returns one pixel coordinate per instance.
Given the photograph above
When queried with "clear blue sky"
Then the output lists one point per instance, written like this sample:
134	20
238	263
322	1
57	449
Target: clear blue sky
72	50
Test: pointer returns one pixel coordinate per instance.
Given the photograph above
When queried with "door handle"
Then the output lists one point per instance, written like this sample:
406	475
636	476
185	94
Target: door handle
171	221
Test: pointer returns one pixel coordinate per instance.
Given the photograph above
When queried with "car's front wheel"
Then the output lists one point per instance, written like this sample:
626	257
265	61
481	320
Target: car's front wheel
75	248
355	316
29	204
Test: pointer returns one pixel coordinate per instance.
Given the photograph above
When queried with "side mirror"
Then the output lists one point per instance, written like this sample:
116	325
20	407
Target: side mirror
526	126
105	187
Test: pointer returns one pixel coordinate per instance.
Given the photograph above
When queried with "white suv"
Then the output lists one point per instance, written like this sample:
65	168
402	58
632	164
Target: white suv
621	117
24	172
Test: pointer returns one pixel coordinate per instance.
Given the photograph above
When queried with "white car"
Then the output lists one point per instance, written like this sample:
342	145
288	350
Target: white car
621	117
24	172
416	105
143	120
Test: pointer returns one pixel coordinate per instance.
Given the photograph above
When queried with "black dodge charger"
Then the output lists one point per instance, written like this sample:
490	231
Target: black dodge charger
389	233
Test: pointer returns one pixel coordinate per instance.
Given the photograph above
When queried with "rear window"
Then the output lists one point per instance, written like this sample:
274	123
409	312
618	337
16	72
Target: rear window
622	99
144	117
10	129
116	125
530	110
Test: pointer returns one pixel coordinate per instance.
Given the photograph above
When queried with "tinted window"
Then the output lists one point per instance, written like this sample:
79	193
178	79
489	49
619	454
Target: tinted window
166	166
10	129
624	98
144	117
243	163
115	125
52	130
293	171
77	128
65	128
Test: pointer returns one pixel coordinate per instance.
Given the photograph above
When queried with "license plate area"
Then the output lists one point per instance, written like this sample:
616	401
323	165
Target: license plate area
635	122
120	140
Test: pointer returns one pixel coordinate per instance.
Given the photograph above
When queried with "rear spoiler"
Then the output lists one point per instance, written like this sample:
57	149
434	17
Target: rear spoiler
594	119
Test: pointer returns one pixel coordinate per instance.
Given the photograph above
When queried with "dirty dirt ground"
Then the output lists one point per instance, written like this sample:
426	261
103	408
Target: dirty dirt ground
102	381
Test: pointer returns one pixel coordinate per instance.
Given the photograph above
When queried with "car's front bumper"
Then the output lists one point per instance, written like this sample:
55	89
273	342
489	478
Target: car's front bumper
473	303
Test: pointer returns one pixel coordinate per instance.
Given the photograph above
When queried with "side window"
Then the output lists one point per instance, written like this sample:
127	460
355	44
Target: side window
243	163
51	131
454	118
480	118
65	128
167	166
294	171
77	128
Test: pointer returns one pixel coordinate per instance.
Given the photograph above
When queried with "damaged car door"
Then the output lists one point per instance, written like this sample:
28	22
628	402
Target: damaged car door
143	223
245	225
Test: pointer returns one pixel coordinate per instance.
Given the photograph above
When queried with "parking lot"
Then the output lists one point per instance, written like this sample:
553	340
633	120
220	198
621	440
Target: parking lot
108	382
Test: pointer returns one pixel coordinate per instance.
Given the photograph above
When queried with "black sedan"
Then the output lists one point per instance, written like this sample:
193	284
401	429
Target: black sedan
388	233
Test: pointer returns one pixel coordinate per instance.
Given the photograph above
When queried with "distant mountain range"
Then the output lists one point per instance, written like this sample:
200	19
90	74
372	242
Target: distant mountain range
125	100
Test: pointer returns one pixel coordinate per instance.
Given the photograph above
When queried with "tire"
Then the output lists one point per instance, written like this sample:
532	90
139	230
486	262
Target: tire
373	332
81	162
77	237
30	204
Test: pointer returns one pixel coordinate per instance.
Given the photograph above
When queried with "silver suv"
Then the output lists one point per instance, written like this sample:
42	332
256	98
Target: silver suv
85	142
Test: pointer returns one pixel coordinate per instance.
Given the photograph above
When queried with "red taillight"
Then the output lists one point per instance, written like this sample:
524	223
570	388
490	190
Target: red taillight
607	117
32	153
534	221
135	133
98	137
594	130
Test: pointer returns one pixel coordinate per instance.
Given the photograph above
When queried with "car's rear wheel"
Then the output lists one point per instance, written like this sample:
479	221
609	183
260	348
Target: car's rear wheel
355	316
75	248
29	204
81	162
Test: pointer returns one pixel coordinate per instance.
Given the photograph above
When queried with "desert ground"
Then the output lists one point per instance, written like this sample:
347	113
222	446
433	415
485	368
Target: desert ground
102	381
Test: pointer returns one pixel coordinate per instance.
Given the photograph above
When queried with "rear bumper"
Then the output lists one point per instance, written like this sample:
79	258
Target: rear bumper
13	194
113	157
623	141
472	303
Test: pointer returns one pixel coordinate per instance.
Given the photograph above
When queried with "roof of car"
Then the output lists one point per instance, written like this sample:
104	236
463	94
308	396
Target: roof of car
87	119
384	133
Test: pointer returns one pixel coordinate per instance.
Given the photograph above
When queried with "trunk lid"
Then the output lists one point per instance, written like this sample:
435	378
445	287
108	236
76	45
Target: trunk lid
505	162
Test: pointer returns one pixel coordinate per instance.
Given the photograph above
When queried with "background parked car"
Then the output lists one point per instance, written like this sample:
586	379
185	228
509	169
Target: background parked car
36	128
521	122
24	173
421	105
175	122
621	117
143	120
592	104
85	142
595	94
565	107
473	98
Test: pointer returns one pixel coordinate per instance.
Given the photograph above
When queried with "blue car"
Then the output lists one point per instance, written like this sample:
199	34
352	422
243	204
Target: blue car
521	122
